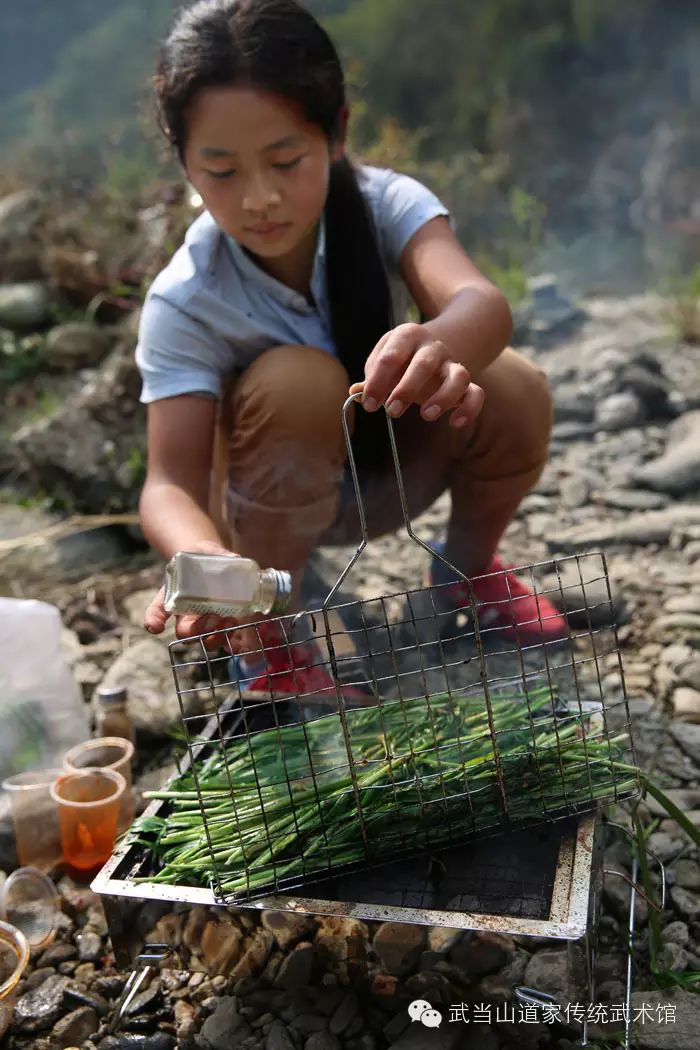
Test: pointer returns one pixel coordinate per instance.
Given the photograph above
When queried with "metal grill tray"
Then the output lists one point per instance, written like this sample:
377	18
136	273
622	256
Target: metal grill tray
535	883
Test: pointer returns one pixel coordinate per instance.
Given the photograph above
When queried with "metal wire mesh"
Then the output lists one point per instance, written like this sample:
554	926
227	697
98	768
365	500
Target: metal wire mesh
393	707
388	727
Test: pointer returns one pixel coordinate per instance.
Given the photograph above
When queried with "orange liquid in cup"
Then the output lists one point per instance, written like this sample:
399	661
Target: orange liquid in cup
88	808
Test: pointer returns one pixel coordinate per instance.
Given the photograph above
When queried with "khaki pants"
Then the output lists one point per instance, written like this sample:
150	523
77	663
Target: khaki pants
279	482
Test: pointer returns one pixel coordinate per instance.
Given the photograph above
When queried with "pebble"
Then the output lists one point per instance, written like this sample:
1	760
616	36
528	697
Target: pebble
399	946
344	1014
74	1028
89	946
278	1038
687	874
687	903
686	704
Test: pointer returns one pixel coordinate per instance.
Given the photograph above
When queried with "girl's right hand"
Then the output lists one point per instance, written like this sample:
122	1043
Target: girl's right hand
189	625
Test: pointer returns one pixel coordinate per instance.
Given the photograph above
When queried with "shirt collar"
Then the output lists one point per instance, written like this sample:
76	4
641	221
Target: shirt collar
276	288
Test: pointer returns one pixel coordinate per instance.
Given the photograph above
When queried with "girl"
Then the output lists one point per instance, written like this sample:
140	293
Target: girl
288	290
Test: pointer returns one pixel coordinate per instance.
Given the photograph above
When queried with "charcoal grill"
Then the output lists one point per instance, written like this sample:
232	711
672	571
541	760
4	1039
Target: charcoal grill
470	865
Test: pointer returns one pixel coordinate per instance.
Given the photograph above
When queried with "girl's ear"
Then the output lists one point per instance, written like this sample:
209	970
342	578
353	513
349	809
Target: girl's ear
340	134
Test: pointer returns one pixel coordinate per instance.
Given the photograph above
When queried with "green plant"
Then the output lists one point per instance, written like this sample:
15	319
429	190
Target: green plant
262	827
20	358
683	305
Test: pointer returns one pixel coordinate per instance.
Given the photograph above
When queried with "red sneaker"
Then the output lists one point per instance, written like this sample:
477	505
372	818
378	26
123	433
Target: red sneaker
506	605
292	669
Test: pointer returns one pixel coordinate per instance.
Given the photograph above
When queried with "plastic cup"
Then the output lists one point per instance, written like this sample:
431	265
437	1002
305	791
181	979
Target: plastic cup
88	808
35	818
107	752
14	956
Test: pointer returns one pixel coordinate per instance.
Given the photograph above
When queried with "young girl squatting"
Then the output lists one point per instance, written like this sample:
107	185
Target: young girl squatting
291	288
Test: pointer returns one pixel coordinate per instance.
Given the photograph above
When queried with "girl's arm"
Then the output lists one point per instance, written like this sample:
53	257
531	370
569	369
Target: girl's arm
468	324
175	497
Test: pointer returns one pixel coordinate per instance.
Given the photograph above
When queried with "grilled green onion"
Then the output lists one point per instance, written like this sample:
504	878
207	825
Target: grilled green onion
301	800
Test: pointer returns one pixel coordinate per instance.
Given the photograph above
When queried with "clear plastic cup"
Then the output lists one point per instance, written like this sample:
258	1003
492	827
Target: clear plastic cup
14	956
35	818
88	808
31	903
107	752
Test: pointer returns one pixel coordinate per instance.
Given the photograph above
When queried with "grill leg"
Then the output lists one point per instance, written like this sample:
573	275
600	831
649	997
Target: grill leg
131	988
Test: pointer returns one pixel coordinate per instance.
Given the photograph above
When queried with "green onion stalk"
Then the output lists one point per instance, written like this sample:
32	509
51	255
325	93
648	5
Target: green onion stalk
283	804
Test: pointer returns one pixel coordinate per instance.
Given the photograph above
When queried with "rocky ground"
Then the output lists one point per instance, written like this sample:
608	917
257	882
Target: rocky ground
624	477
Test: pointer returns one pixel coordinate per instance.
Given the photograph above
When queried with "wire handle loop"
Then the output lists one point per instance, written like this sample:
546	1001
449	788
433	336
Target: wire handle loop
361	506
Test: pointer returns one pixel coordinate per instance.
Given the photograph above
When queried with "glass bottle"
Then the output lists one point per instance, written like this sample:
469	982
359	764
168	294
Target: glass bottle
225	585
112	713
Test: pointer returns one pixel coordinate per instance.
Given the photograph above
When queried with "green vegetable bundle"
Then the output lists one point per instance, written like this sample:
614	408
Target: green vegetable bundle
285	804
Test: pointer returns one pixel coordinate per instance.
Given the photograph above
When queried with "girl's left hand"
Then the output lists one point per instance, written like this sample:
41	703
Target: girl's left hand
409	366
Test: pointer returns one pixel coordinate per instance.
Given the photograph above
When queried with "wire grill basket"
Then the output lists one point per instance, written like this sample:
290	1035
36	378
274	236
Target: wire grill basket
394	726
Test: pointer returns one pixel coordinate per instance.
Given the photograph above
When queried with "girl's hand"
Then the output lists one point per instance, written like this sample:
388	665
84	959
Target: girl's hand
409	366
189	625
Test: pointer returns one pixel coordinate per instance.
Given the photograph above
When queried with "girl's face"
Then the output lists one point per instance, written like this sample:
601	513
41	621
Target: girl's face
259	166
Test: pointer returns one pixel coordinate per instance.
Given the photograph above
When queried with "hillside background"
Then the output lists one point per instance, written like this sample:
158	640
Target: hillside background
562	132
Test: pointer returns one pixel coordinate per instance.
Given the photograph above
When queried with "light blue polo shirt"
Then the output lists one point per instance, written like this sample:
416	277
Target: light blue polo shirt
212	310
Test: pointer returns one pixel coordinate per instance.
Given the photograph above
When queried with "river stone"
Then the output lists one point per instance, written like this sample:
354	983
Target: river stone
442	938
687	903
686	704
590	599
399	946
221	944
278	1038
652	526
24	305
575	492
547	971
687	736
346	1011
41	1008
677	471
74	1028
619	411
255	955
685	798
297	968
287	928
89	946
57	953
322	1041
682	1033
225	1028
76	344
480	954
676	932
687	873
673	957
632	499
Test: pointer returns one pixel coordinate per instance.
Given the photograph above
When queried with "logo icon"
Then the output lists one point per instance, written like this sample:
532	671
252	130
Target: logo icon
421	1010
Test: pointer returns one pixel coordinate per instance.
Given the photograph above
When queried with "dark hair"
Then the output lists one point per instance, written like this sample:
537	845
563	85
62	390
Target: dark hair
278	46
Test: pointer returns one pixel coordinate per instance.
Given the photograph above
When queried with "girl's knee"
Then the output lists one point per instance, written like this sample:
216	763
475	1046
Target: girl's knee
292	384
290	397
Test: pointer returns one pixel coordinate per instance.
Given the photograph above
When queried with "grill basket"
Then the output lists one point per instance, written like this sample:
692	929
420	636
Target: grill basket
395	726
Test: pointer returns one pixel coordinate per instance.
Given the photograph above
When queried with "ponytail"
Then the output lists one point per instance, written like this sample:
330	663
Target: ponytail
358	293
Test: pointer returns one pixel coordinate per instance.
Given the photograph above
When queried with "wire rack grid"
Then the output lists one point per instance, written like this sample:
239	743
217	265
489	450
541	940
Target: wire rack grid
398	725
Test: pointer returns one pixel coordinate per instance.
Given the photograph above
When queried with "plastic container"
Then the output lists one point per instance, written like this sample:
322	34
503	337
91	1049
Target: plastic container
35	818
14	956
107	752
41	707
30	902
88	807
